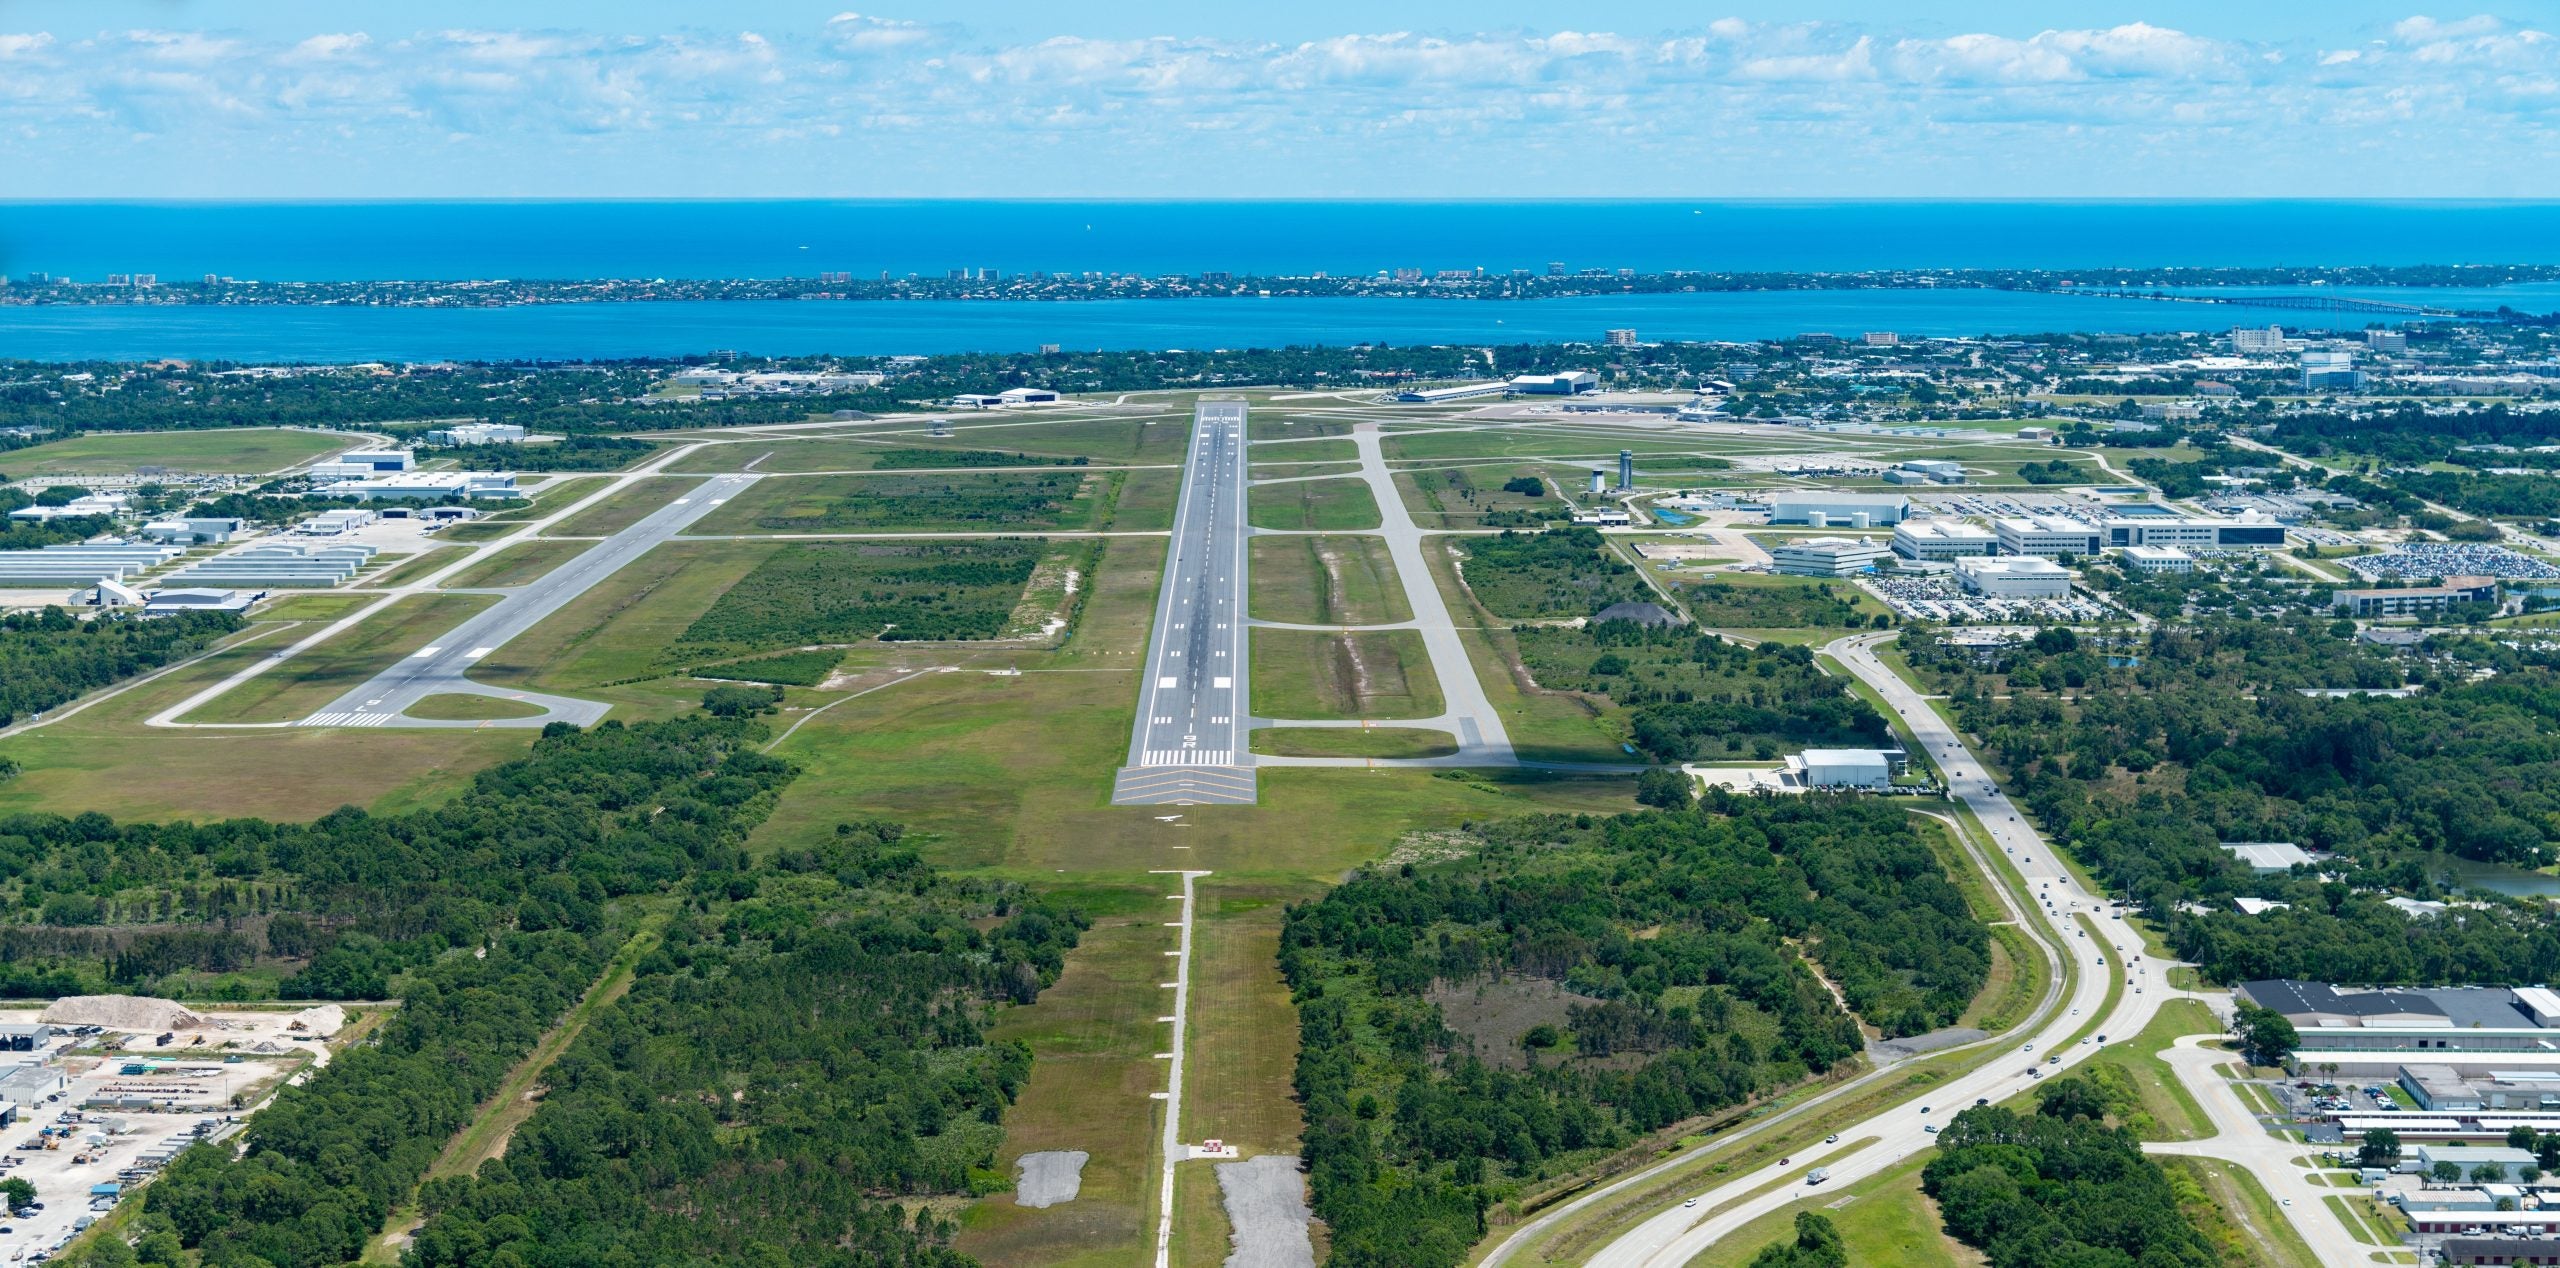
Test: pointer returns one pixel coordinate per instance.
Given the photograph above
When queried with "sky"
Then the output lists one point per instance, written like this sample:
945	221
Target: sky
1313	98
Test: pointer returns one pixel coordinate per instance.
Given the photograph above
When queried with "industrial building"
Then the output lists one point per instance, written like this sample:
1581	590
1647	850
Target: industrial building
1827	556
279	563
1839	510
80	564
363	464
2266	858
1444	395
2250	530
1942	539
336	523
193	530
431	486
2472	1157
2158	559
1926	471
477	434
2047	536
2013	577
1866	768
2437	1089
85	505
1569	383
173	602
2416	600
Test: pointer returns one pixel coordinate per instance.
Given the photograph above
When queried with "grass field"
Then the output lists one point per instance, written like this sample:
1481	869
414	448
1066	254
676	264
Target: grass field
2166	1102
1326	581
2252	1228
548	499
1324	506
1360	674
413	567
997	502
1307	450
1884	1219
517	564
221	451
465	707
1348	741
618	631
626	508
313	607
294	688
1544	725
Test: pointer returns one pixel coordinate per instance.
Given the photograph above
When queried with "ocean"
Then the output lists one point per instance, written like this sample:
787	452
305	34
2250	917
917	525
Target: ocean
279	242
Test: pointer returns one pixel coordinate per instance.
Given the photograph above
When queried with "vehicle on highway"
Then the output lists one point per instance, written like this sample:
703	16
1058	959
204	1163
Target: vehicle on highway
1690	1203
1932	1129
1817	1175
1832	1139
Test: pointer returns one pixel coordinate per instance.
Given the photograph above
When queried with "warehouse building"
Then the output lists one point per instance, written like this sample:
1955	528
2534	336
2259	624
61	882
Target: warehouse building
1866	768
1839	510
1942	539
2469	1157
2266	858
1827	556
2013	577
2046	536
1569	383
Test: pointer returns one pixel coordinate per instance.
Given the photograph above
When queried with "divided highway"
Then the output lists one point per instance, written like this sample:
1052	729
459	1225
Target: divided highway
1189	742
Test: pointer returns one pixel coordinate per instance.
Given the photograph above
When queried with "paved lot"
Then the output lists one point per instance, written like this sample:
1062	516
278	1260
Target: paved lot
1189	742
443	668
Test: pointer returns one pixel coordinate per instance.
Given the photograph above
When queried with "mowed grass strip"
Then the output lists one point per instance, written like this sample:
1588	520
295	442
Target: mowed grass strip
1354	741
516	564
1345	580
294	688
225	451
1356	674
619	631
1325	506
1884	1219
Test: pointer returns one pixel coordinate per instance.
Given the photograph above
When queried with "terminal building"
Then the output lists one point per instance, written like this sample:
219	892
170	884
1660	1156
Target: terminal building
1839	510
1827	556
2013	577
1942	539
2047	536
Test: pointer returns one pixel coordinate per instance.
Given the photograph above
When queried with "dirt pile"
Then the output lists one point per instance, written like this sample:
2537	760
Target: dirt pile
121	1012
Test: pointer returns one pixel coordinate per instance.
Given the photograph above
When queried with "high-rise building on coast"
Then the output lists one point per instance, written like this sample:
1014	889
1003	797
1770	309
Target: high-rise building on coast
2257	339
1621	337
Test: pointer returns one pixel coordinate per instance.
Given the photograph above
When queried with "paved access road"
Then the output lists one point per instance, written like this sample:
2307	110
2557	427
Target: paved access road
1674	1237
444	668
1189	746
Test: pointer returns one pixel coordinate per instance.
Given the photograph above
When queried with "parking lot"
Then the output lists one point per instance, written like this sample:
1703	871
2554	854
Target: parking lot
99	1110
1938	599
2451	559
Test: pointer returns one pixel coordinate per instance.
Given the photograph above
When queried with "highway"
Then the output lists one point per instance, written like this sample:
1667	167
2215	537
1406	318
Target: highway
1188	746
1675	1236
444	668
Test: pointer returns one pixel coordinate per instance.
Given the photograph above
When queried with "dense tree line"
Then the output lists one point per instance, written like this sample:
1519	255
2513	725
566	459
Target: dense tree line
1680	938
1562	572
2414	435
49	658
2143	769
2059	1188
569	453
808	1038
1697	697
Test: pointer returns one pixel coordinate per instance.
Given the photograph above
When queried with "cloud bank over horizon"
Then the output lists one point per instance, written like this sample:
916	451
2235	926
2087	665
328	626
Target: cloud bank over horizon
864	104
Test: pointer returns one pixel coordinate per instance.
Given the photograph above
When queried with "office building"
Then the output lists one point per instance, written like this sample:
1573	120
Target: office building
2173	411
1839	510
2386	341
2415	600
1881	338
2249	531
1621	337
2047	536
2331	372
2158	559
1942	539
2248	339
1827	556
2013	577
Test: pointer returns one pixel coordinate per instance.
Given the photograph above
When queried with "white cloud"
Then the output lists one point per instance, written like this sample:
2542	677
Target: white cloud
1780	106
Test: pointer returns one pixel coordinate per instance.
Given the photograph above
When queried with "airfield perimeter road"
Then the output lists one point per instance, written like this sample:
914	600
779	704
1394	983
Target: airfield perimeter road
444	668
1188	747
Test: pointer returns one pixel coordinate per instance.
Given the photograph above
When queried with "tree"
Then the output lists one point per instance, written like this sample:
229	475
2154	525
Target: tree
2266	1038
2489	1173
2072	1097
17	1192
1817	1244
2445	1173
1541	1035
2522	1136
2381	1148
1663	786
739	702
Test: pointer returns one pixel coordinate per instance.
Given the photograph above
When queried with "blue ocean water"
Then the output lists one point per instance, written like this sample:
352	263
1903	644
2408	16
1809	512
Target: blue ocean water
786	328
420	241
332	241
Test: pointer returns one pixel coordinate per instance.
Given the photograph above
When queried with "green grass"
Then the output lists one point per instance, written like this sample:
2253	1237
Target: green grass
1325	506
2255	1229
465	707
1346	580
1551	726
1343	741
516	564
1305	451
313	607
989	502
1360	674
624	509
2166	1102
1885	1219
219	451
619	631
553	495
294	688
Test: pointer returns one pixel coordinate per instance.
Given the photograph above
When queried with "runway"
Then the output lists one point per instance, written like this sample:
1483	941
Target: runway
444	667
1188	746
